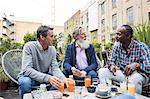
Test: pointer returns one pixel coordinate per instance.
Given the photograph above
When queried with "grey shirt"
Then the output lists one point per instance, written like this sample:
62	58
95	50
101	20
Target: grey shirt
37	63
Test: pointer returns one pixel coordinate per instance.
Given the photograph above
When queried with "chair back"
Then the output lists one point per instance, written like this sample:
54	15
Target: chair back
98	62
11	63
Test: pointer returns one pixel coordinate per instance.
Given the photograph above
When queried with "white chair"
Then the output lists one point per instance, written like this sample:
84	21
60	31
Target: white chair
11	63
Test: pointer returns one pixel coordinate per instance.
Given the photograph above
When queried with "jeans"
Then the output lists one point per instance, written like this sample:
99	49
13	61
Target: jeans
26	85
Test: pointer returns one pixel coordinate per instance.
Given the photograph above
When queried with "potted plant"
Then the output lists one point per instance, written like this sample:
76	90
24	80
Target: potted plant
3	79
142	33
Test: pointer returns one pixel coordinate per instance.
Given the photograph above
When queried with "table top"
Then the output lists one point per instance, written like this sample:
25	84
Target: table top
80	92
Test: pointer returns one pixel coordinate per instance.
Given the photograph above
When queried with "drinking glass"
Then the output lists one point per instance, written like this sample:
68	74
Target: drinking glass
131	89
61	87
108	82
87	81
123	86
71	85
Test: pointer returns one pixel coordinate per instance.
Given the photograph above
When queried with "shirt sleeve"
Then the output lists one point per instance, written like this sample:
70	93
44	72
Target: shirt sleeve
145	58
27	66
112	57
67	60
55	67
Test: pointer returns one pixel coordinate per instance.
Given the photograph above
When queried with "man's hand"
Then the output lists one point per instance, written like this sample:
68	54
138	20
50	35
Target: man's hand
83	74
76	72
53	80
113	68
65	80
129	69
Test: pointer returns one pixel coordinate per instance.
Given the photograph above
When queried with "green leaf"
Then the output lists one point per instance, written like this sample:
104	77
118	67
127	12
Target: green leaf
142	33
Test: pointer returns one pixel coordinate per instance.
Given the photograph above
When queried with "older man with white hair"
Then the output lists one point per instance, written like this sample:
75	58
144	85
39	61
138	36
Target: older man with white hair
80	59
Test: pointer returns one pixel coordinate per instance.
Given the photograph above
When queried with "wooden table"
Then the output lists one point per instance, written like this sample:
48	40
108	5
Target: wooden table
83	95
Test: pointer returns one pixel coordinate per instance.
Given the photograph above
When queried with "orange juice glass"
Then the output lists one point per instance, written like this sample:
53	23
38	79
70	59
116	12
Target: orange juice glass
61	88
131	89
87	82
71	85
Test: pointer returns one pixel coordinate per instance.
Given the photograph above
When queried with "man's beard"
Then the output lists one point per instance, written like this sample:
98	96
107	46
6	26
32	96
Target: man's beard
84	44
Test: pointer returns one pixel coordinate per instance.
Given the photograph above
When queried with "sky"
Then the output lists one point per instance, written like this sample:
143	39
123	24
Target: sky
40	10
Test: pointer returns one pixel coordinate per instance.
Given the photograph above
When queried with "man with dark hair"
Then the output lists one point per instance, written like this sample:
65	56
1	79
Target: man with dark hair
80	57
39	64
129	60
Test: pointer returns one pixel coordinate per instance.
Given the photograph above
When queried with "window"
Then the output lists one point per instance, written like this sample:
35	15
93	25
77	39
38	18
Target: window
130	15
82	20
4	32
87	29
102	8
114	4
103	25
87	18
114	21
149	16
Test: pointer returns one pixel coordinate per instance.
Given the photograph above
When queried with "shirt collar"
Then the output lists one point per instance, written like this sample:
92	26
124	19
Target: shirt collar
39	45
76	45
130	45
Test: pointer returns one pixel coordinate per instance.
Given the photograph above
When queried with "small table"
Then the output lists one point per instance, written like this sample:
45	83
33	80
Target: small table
84	94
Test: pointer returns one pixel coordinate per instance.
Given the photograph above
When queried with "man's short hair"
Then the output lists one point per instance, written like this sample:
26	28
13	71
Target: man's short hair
43	30
76	32
129	30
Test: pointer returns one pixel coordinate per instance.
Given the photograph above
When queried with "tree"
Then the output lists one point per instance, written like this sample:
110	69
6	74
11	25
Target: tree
68	40
55	41
108	46
8	44
98	49
29	37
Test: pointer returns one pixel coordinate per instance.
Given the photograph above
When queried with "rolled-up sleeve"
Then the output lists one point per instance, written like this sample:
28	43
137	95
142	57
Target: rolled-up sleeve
145	58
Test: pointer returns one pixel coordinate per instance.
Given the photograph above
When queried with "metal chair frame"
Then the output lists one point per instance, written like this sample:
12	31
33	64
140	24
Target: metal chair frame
3	64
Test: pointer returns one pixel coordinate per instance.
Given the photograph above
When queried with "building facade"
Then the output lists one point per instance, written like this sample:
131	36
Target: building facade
93	21
20	27
72	23
108	15
114	13
16	28
84	19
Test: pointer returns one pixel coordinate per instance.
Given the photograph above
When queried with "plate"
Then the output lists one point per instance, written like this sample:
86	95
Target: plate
103	97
